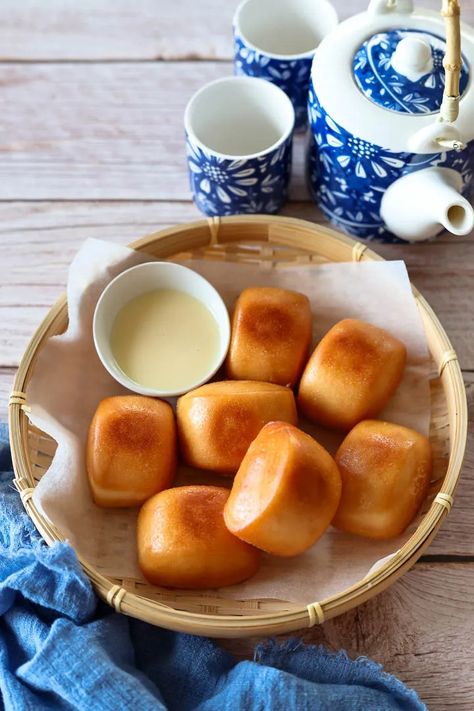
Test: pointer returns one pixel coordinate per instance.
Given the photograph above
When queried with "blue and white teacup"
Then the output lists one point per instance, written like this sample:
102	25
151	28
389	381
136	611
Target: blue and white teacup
276	40
239	133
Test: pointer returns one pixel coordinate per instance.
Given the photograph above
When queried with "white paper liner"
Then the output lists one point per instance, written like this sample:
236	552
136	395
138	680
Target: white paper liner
69	381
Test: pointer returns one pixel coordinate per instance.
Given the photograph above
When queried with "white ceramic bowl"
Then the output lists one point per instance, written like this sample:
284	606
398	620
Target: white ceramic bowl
140	280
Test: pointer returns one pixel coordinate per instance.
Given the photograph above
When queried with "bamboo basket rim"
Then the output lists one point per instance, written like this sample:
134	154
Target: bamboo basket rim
275	230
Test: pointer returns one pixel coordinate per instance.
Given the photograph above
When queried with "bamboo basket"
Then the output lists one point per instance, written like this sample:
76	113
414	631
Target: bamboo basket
275	241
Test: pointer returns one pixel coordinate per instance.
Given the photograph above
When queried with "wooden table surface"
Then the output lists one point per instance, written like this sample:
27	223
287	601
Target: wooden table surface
91	145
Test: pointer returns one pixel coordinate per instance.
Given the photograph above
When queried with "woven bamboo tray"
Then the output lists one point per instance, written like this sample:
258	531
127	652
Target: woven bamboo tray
275	241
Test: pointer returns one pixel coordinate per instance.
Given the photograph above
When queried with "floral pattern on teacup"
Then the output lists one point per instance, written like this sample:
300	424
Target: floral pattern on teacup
291	75
224	186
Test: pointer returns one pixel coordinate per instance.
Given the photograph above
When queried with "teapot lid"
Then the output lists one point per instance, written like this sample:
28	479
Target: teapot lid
402	70
346	99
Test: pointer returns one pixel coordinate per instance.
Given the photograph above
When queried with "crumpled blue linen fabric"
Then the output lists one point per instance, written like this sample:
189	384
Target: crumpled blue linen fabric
61	648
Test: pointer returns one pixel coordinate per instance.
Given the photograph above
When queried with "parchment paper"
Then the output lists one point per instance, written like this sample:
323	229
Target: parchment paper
69	381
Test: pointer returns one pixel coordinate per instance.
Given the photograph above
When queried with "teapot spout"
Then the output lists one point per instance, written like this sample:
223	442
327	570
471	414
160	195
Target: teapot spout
416	206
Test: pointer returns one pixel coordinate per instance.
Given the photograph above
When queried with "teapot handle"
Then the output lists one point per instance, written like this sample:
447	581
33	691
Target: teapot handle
452	61
383	7
442	134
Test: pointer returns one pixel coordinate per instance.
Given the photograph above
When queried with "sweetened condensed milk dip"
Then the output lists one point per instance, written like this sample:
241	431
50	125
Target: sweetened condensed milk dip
165	339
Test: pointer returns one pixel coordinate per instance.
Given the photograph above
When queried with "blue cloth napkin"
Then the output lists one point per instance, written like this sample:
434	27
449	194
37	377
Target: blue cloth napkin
61	648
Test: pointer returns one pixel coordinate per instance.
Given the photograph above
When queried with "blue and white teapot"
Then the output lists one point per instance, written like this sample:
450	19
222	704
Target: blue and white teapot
383	161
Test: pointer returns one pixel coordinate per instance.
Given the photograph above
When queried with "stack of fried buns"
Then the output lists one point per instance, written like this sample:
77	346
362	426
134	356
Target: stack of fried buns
280	488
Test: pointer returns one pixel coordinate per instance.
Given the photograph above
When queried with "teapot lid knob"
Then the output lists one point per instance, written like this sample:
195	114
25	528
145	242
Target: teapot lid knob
412	58
402	70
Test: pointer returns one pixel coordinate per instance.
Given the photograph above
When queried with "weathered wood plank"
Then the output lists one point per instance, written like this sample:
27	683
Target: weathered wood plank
456	536
48	222
6	380
420	629
102	30
103	131
33	30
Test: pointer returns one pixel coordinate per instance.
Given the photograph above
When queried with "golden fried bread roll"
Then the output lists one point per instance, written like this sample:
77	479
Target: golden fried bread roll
131	450
385	471
183	541
285	493
351	375
271	336
218	421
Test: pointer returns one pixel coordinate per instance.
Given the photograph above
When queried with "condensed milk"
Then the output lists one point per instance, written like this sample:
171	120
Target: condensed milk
165	339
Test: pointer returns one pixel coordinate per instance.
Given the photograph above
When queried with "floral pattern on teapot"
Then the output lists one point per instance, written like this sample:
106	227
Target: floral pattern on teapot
348	176
379	82
290	75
